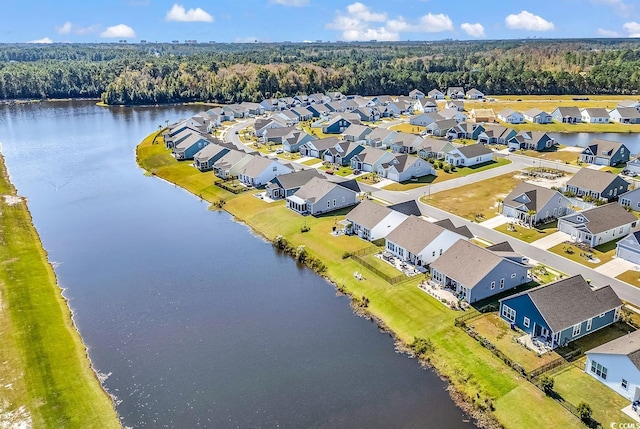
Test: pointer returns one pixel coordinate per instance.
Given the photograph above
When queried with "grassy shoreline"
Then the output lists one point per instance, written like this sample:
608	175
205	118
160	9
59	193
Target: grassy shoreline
478	381
47	378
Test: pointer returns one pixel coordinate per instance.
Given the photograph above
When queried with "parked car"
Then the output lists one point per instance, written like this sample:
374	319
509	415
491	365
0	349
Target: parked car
356	172
512	149
279	151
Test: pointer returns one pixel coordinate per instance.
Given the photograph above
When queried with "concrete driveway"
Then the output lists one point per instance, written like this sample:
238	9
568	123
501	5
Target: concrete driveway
551	240
495	222
615	267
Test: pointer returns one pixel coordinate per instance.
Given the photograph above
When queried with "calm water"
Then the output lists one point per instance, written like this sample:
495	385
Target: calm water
631	140
198	322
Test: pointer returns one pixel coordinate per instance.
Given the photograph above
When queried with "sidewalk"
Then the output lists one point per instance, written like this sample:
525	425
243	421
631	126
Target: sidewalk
551	240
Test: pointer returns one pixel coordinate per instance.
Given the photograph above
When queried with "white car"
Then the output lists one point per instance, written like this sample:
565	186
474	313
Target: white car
279	151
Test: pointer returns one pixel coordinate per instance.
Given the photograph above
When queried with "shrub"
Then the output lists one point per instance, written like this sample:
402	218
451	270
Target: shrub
446	168
347	254
547	384
305	228
280	242
422	346
301	254
584	411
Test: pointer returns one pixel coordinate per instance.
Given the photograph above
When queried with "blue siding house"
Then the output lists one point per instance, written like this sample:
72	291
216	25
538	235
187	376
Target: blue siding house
560	312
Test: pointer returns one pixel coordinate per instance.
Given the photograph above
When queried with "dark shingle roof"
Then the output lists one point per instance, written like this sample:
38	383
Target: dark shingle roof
538	196
368	214
473	150
408	207
297	178
595	180
606	217
628	345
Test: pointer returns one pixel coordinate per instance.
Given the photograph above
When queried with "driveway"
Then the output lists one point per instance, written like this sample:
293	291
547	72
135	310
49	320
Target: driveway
551	240
615	267
495	222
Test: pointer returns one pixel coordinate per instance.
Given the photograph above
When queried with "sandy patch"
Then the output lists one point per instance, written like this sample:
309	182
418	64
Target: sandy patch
571	149
18	418
12	200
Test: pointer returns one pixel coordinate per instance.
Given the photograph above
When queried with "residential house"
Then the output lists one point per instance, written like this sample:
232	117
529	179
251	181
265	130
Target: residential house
382	100
625	115
319	196
562	311
406	143
295	139
177	132
616	364
356	133
598	225
350	105
597	184
425	119
252	108
420	242
474	94
605	152
318	110
455	92
537	116
235	110
405	167
287	117
436	94
440	128
595	115
302	113
368	114
260	170
318	98
634	165
336	106
533	204
230	164
425	105
482	115
207	156
466	130
435	148
469	155
486	271
263	124
496	134
285	185
381	137
370	159
317	148
336	125
371	221
277	135
416	94
455	104
336	96
189	146
453	114
342	153
532	140
629	248
631	199
510	116
567	115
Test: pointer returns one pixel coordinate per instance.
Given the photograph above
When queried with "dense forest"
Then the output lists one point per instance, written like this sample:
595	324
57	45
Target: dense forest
168	73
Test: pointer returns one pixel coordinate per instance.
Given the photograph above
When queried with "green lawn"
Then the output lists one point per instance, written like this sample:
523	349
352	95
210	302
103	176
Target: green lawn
478	198
554	155
46	380
312	161
406	310
632	277
528	234
545	274
381	265
615	170
340	171
597	338
411	184
407	128
604	253
575	386
497	331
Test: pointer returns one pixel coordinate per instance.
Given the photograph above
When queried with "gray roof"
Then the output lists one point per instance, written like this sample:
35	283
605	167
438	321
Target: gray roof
316	188
414	234
571	111
408	207
433	145
603	148
444	124
539	196
209	152
533	112
598	112
191	140
380	133
278	132
606	217
472	150
567	302
478	262
256	166
368	214
449	113
405	161
356	130
297	178
463	230
230	159
628	345
628	112
506	112
371	155
595	180
325	143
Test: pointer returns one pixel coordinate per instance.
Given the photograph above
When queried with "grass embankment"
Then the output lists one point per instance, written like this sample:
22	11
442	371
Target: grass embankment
46	379
474	372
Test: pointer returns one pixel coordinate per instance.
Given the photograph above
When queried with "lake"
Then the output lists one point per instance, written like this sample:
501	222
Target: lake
196	321
630	140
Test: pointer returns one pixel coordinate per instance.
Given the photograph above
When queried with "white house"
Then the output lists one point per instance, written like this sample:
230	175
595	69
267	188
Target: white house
625	115
537	116
370	159
371	221
474	94
425	119
510	116
405	167
436	94
598	225
629	248
420	242
616	364
320	195
260	170
595	115
469	155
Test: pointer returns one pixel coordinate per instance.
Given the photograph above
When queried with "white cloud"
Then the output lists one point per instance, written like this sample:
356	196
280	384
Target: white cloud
527	21
179	13
118	31
632	28
64	28
292	3
356	23
43	40
607	33
473	30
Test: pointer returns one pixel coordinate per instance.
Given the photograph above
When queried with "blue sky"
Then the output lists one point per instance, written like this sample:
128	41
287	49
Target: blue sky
49	21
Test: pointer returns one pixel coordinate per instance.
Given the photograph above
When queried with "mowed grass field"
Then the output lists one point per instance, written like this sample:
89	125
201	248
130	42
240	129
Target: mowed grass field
473	371
46	380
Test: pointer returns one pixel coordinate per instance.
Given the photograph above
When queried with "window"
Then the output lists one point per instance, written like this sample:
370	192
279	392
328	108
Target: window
493	285
441	252
589	323
513	276
343	199
508	313
334	202
598	370
576	329
624	384
602	315
328	204
434	253
502	283
580	219
526	322
275	168
560	200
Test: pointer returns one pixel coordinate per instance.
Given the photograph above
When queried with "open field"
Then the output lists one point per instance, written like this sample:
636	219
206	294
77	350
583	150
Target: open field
604	253
406	127
559	155
46	379
478	198
473	371
528	234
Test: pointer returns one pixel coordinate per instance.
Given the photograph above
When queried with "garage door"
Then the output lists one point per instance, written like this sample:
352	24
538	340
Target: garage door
394	176
629	255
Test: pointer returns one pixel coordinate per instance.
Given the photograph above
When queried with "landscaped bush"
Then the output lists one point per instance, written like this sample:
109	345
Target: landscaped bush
347	254
585	412
422	347
547	383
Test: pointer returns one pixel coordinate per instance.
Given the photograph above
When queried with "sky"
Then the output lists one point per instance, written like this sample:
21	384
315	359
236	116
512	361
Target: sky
48	21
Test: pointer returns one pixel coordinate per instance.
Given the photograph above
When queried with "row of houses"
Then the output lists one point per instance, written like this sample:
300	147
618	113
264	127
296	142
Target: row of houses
570	115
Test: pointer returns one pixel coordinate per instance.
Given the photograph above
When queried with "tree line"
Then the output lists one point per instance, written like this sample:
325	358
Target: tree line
169	73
